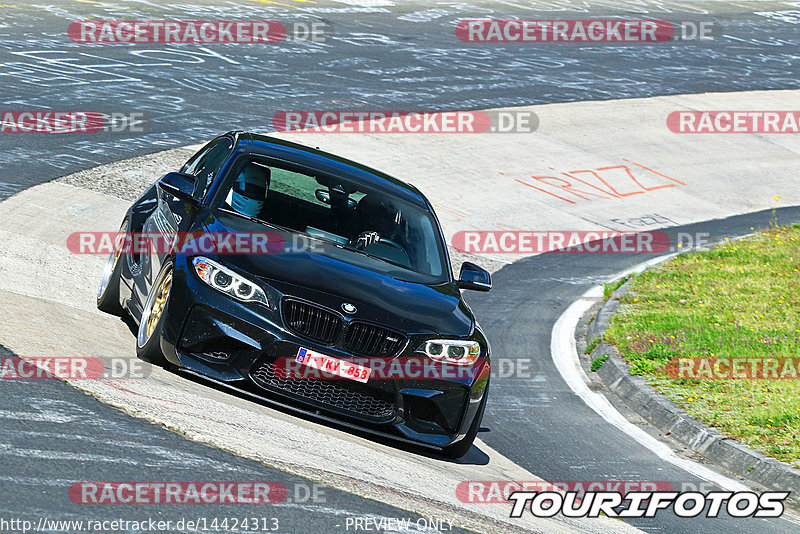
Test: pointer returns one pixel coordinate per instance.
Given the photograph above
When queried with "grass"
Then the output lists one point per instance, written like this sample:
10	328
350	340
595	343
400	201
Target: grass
610	287
592	345
598	362
742	299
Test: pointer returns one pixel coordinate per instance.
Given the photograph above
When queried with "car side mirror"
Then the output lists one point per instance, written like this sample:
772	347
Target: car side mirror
474	277
178	184
323	196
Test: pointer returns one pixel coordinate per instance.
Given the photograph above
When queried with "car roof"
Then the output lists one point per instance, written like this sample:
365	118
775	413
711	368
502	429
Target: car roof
331	164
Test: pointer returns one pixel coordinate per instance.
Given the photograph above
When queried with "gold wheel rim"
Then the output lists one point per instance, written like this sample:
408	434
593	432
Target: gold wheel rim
119	244
116	257
159	303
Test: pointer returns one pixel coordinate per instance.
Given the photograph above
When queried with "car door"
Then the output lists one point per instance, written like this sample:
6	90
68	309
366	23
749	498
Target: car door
172	215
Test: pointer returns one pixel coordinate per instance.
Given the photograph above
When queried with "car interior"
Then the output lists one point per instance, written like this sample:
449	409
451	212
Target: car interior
335	210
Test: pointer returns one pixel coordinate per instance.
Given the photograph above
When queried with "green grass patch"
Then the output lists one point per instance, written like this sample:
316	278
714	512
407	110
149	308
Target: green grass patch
740	299
592	345
596	364
610	287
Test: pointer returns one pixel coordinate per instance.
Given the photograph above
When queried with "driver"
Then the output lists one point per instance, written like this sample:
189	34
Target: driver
376	219
250	190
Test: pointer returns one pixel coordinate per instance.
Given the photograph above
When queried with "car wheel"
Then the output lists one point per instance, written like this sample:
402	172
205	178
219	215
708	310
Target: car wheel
108	292
148	338
459	449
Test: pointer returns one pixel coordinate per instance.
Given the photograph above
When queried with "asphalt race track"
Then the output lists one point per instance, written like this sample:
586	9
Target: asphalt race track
379	55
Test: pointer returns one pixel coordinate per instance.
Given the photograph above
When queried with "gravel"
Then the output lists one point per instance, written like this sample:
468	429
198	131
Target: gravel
129	178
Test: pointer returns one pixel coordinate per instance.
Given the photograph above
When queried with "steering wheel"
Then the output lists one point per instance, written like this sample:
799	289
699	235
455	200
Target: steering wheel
391	243
361	245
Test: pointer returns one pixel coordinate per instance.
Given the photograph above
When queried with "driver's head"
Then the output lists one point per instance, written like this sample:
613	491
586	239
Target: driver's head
250	190
376	214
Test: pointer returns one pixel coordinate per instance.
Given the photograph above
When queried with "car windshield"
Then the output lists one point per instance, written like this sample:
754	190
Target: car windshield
360	225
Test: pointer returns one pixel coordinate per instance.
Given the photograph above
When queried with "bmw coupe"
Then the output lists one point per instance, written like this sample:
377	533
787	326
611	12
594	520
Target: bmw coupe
351	313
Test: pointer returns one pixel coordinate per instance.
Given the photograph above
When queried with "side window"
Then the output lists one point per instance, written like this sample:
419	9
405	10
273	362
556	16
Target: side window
295	185
206	164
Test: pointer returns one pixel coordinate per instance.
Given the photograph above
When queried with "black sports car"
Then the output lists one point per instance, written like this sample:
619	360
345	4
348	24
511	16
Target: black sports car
351	313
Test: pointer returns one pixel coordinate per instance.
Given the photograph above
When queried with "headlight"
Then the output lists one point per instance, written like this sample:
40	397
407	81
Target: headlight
224	280
452	351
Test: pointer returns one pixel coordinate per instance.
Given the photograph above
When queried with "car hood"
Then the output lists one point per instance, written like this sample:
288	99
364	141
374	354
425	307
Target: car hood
327	278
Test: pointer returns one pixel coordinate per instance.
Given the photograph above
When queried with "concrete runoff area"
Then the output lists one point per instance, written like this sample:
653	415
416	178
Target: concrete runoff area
582	153
474	183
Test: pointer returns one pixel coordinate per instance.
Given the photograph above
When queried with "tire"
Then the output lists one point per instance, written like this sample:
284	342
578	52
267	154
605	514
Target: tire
459	449
108	292
148	343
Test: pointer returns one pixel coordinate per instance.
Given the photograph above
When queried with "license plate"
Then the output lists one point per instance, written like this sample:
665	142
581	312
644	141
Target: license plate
334	366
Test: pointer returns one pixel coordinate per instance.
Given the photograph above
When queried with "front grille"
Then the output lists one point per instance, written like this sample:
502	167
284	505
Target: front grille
370	340
328	392
311	321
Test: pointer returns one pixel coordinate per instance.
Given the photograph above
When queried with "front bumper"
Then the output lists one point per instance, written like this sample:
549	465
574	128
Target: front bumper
244	346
